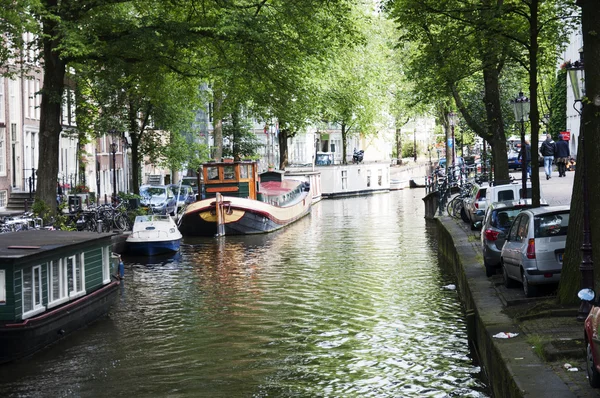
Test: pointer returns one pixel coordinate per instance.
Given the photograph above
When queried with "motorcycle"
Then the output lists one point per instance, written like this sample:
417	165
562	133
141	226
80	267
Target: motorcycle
357	157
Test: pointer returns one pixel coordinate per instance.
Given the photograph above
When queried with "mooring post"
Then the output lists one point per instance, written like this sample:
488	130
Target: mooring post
220	215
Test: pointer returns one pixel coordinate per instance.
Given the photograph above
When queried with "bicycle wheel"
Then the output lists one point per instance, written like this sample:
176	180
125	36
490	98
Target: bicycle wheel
451	206
120	221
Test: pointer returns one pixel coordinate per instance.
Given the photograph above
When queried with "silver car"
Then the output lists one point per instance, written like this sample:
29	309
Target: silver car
534	248
498	218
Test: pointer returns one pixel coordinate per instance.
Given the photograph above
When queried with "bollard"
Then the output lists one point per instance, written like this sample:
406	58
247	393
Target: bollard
99	226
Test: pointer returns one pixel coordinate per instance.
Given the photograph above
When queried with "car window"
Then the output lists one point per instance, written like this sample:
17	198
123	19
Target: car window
483	193
548	225
506	195
523	228
503	219
528	190
512	233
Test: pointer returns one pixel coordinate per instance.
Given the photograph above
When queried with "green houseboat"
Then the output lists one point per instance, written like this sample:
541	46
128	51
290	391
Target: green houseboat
51	283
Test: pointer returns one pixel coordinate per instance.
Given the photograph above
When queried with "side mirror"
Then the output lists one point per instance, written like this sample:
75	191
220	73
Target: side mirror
477	224
586	294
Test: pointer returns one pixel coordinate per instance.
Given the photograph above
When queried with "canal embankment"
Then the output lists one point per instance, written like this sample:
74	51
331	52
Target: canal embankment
546	357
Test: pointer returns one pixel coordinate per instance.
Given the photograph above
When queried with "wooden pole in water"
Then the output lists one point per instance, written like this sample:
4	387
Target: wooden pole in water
219	210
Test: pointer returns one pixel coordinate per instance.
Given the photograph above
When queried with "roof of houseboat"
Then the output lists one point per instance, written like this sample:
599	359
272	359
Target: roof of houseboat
33	242
273	188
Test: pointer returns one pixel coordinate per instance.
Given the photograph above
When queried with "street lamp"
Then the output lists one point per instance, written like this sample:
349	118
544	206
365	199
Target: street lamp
577	76
113	149
521	106
452	120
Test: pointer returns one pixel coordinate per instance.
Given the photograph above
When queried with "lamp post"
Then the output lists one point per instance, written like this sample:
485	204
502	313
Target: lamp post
113	149
521	106
576	74
452	120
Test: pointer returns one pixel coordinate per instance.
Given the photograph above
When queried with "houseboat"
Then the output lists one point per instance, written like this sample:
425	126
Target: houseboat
51	284
239	201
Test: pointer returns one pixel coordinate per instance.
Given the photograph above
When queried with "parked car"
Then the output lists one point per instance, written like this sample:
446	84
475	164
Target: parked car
513	160
474	204
496	222
534	247
591	328
192	182
158	199
506	192
184	194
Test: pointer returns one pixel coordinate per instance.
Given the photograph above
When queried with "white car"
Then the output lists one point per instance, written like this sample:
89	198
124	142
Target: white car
534	248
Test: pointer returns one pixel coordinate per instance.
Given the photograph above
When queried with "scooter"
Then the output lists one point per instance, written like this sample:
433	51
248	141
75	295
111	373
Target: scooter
357	157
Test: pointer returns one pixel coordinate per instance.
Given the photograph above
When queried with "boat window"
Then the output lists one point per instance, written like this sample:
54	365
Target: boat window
106	257
31	287
368	178
229	173
379	176
245	171
57	289
212	173
75	275
2	286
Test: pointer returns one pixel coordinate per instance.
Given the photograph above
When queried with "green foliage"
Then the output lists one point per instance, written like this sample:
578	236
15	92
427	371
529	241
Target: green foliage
408	150
243	143
558	105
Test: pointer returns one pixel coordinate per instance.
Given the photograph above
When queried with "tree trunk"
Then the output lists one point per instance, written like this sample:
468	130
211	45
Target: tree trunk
534	114
218	123
135	163
50	108
570	277
344	140
398	146
588	162
282	138
494	119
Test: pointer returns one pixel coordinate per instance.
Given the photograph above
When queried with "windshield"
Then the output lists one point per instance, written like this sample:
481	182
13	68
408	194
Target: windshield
154	192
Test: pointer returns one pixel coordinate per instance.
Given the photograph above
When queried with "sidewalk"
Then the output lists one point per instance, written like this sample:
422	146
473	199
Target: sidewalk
550	338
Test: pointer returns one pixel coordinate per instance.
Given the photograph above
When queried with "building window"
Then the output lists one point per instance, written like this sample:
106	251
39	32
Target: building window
32	291
368	178
379	176
106	264
2	286
57	283
75	276
344	179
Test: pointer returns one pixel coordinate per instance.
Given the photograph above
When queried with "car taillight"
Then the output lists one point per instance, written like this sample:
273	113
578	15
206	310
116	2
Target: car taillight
531	249
490	234
476	204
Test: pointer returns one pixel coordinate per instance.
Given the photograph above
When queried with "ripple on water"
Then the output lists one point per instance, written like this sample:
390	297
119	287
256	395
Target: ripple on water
346	302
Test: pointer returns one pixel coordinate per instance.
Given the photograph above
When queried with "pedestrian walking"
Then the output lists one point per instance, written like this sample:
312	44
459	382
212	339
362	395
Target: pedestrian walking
562	156
547	150
526	149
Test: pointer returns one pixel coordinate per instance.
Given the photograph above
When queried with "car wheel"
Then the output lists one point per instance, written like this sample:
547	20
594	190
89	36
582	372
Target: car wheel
592	372
528	289
508	282
489	270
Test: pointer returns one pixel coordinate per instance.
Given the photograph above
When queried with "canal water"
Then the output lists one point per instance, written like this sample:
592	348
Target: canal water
347	302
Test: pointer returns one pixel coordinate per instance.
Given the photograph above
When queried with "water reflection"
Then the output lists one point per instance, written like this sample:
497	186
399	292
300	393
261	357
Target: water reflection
346	302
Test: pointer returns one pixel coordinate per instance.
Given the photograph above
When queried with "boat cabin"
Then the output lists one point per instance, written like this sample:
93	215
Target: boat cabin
51	282
238	179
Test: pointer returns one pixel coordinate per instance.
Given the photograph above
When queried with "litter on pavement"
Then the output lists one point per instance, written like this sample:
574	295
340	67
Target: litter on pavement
505	335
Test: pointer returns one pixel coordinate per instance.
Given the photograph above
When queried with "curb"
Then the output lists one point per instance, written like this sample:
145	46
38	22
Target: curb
511	366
